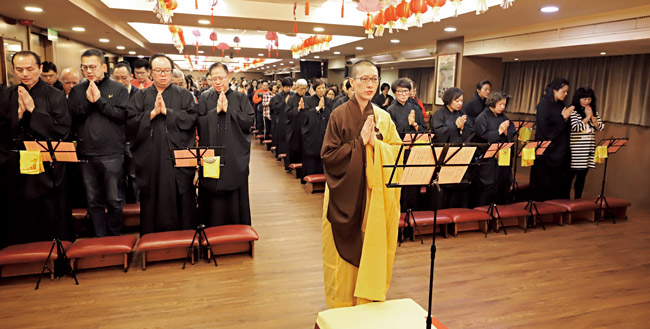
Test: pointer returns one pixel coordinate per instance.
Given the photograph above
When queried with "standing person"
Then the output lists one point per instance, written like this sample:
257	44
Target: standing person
331	94
414	98
265	109
225	118
314	122
293	129
50	75
360	214
278	107
162	118
548	176
345	96
383	99
142	71
407	117
493	126
476	105
69	79
33	110
585	122
98	106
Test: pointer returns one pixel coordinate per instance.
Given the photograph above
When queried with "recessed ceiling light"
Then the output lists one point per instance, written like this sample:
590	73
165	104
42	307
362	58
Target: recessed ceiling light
392	67
78	29
34	9
273	65
290	62
120	47
603	53
204	21
104	40
549	9
450	29
319	29
281	63
131	52
140	56
516	59
359	48
337	53
394	41
317	57
260	54
201	51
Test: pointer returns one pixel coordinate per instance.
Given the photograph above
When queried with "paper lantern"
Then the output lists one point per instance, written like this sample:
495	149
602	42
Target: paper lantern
435	6
403	12
368	24
418	7
456	4
173	28
379	23
390	14
481	7
223	46
179	43
171	4
213	37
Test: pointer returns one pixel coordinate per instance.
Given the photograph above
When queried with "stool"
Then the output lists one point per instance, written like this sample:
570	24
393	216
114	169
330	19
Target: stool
166	245
296	169
574	209
131	215
79	219
260	137
267	142
254	131
507	215
315	183
28	258
230	239
466	219
541	210
101	252
423	219
617	209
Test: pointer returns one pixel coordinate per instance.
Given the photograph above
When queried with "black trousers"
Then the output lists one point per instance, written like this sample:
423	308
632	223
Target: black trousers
580	175
549	182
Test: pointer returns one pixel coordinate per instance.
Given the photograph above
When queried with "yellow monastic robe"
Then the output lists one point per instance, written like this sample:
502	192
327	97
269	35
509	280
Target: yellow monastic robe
345	284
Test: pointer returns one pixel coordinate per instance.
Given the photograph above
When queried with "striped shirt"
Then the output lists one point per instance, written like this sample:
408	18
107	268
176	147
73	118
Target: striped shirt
583	141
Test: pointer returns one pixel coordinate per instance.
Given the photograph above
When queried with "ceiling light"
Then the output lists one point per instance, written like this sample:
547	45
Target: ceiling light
317	57
281	63
201	51
516	59
603	53
131	52
273	65
104	40
78	29
450	29
392	67
319	29
34	9
549	9
337	53
290	62
260	54
394	41
120	47
359	48
140	56
204	21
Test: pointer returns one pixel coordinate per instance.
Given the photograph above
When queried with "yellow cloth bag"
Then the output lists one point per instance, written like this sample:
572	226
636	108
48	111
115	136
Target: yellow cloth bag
527	157
31	163
601	154
504	157
211	167
524	134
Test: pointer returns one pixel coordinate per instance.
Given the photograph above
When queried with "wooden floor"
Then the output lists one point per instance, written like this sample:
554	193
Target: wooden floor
578	276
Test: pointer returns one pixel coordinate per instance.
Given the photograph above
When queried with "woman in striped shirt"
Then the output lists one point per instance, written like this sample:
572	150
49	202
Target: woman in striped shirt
585	122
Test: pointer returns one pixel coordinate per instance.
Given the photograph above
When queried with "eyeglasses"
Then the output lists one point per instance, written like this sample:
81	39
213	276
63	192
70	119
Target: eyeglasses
403	92
368	79
86	67
220	78
161	71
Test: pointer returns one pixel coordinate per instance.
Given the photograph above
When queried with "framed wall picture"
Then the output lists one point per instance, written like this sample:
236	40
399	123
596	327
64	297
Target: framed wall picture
8	47
445	74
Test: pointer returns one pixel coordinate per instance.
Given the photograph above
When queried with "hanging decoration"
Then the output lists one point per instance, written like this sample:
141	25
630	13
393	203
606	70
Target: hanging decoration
306	7
390	14
505	4
435	6
236	40
368	24
223	46
379	21
342	8
177	38
273	41
196	4
369	6
213	37
197	34
312	44
189	60
295	23
418	7
456	4
404	12
214	4
481	6
164	9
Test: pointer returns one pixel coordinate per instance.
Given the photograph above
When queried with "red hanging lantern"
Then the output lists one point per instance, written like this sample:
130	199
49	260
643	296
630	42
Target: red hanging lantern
403	12
390	14
435	6
173	28
306	7
213	37
368	24
236	40
379	23
223	46
418	7
214	3
171	4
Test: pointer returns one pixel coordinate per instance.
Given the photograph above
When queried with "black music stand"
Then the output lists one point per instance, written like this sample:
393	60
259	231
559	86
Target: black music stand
613	145
540	147
518	124
193	157
49	151
431	172
491	152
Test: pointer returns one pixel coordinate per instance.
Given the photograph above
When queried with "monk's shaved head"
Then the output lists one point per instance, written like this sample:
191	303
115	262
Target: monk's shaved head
354	69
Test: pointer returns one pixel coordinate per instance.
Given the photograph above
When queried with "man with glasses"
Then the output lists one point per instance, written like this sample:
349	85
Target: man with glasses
122	74
98	106
360	214
293	129
142	73
162	118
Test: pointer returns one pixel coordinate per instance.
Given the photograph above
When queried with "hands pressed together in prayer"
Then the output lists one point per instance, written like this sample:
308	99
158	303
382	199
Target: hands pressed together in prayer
321	104
460	122
222	103
589	116
503	127
566	113
25	102
301	104
412	120
92	93
159	107
368	131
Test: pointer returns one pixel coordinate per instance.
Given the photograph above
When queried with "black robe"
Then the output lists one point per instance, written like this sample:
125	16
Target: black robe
34	209
279	121
400	115
293	129
314	123
225	200
474	107
380	99
166	193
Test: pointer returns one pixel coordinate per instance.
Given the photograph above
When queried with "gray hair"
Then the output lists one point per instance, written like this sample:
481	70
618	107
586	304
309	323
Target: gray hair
301	82
176	73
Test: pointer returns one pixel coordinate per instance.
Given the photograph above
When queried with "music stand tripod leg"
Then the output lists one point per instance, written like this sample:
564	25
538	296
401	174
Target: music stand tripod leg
208	246
45	264
190	249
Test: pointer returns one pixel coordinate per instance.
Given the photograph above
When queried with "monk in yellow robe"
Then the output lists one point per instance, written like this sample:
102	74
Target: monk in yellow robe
360	214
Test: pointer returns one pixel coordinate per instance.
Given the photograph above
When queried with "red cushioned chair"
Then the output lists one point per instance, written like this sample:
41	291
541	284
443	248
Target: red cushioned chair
166	245
28	258
101	252
296	169
261	138
575	209
538	211
315	183
466	219
230	239
612	208
424	220
131	215
506	215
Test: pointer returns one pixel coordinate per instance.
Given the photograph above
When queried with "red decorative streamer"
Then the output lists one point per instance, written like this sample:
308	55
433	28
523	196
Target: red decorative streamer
306	7
295	23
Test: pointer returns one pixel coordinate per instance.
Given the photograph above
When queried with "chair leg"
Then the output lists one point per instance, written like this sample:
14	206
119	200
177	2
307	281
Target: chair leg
144	261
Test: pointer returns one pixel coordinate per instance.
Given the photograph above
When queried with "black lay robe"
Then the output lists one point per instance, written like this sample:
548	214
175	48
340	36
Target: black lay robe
314	123
294	130
34	206
166	193
225	200
279	117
